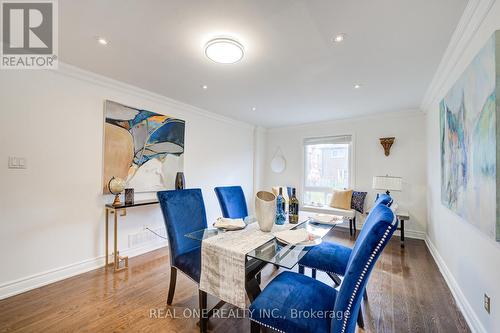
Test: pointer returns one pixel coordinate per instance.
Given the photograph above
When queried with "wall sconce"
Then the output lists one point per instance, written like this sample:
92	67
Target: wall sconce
387	144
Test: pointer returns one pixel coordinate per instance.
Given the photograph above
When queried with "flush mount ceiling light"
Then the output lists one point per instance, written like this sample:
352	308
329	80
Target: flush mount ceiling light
224	50
357	86
204	87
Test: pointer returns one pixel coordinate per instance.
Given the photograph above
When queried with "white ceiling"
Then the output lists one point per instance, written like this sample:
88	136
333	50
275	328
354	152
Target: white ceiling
292	71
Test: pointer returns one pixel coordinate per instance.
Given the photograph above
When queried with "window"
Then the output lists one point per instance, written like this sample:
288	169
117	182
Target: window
327	165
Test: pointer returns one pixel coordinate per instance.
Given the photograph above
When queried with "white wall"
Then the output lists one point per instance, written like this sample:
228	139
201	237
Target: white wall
468	258
407	158
52	216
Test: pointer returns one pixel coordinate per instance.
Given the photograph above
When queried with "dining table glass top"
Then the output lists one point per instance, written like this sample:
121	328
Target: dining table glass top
273	251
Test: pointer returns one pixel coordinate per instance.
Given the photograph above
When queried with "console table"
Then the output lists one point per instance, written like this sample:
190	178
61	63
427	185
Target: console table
110	209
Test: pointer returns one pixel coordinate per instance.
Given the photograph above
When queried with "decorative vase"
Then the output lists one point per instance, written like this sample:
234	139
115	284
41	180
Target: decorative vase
180	182
265	210
129	196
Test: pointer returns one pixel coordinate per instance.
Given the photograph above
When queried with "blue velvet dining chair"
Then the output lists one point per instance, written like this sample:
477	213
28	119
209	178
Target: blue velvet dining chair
183	212
232	201
287	302
332	258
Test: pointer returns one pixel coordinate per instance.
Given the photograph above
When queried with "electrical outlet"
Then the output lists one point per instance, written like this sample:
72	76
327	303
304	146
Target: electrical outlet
487	303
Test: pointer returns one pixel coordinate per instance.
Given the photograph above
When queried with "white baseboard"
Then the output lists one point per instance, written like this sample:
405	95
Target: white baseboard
415	234
18	286
470	316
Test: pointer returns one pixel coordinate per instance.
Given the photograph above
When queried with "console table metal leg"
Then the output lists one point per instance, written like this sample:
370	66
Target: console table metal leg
115	243
106	232
116	254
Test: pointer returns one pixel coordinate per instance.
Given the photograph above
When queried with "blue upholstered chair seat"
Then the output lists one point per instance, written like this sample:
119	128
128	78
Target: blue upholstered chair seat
280	303
333	258
190	263
327	257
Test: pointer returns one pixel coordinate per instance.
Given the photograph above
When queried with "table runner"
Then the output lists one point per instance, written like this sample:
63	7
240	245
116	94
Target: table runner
223	261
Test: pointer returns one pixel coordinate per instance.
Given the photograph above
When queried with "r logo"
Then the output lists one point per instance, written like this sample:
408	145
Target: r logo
27	28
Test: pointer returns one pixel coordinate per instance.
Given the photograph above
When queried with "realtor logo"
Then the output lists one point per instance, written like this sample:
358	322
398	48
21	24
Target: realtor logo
29	34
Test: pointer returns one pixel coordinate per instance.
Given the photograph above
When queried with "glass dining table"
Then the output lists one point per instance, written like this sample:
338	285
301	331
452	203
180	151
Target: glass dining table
271	252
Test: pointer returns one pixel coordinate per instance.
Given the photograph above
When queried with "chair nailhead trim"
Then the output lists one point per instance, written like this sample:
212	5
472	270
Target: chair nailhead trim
363	273
268	326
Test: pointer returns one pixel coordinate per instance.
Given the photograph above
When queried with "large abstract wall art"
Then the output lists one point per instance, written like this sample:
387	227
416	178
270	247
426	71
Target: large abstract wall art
142	147
469	141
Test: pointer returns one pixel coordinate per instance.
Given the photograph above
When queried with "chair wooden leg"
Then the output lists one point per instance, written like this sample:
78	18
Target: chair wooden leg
203	309
301	269
171	288
254	327
313	273
350	227
361	322
258	277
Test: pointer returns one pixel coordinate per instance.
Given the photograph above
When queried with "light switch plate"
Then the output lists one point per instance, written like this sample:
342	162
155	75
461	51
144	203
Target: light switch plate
17	162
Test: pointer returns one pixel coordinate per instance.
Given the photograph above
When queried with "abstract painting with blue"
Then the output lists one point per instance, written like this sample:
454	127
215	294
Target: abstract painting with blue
144	148
469	142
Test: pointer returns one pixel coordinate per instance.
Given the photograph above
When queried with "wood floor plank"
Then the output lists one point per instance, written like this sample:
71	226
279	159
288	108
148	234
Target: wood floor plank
406	293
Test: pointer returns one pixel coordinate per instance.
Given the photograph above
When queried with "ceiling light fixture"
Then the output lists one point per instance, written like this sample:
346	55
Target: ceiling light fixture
339	38
254	108
102	40
204	87
357	86
224	50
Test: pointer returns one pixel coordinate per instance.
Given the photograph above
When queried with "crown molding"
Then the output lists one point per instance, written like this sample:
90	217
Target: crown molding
104	81
260	129
385	115
473	16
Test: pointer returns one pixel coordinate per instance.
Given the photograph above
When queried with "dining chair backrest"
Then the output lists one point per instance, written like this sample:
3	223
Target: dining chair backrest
376	233
183	212
232	201
384	199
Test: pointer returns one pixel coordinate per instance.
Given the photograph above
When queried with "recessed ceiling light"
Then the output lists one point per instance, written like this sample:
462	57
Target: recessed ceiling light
204	87
339	38
254	108
357	86
102	40
224	50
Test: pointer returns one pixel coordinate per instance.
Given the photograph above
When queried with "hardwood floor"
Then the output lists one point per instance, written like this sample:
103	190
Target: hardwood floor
406	293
